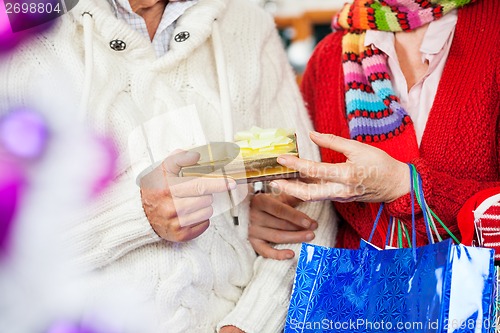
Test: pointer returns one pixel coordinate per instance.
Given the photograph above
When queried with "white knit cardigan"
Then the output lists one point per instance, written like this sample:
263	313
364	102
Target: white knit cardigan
216	279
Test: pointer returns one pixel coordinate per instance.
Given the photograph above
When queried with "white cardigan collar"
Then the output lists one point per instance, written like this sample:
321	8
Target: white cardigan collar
197	21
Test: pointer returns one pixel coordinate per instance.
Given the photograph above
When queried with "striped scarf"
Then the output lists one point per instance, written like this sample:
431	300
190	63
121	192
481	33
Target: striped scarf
374	112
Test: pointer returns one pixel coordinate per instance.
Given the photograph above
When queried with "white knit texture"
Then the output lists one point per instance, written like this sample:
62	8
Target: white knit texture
199	284
166	27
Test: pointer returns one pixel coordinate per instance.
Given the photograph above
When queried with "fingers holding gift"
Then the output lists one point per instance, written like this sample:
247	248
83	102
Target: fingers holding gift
173	164
171	216
200	186
310	171
185	206
368	175
306	168
320	191
179	208
196	217
336	143
162	174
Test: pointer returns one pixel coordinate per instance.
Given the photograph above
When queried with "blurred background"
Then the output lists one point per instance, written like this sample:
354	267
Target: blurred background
302	24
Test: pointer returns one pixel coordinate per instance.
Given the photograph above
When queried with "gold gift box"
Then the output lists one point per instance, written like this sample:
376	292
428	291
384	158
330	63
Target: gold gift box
252	158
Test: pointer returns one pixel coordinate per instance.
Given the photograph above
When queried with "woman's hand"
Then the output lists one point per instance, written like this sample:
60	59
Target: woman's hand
273	219
179	208
368	175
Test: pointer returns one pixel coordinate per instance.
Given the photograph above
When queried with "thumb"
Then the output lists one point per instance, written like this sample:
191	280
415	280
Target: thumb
334	142
179	159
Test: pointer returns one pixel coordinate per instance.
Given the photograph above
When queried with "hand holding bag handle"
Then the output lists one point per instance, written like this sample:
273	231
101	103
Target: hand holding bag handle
416	190
423	285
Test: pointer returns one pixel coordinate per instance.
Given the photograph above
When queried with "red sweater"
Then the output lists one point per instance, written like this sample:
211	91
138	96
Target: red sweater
460	150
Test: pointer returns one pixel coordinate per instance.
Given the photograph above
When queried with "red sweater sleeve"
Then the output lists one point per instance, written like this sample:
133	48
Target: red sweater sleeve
444	194
461	155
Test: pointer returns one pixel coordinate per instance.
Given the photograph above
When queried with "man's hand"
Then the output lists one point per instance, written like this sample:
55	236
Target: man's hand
273	219
179	208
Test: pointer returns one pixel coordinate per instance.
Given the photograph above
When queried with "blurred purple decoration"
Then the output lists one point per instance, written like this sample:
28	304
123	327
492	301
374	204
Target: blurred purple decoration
11	182
108	163
35	16
8	39
19	25
68	327
23	133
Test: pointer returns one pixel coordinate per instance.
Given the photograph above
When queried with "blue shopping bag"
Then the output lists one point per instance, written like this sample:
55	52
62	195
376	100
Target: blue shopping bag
441	287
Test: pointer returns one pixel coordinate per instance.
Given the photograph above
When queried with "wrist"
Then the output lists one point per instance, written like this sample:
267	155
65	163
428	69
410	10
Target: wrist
403	179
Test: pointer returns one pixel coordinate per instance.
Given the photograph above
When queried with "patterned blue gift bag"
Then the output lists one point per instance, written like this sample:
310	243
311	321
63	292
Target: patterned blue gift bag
495	327
441	287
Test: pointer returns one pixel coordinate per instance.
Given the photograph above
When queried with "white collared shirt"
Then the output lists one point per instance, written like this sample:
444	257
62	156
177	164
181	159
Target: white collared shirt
435	49
165	30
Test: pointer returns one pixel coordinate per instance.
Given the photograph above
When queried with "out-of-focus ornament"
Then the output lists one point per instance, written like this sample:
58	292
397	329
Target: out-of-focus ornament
108	164
11	182
68	327
23	137
23	133
8	39
20	20
33	16
299	53
48	181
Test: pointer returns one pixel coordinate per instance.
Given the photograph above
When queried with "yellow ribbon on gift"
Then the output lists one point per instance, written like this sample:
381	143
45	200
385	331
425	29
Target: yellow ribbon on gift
270	141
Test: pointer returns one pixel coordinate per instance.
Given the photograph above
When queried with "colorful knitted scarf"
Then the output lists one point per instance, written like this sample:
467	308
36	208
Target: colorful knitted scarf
373	110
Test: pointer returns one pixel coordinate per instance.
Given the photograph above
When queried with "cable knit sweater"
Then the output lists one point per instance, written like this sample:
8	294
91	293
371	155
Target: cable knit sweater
460	150
215	279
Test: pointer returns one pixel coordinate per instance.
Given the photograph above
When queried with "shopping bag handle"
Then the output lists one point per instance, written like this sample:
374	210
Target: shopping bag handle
389	231
376	222
413	231
428	214
416	179
416	190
